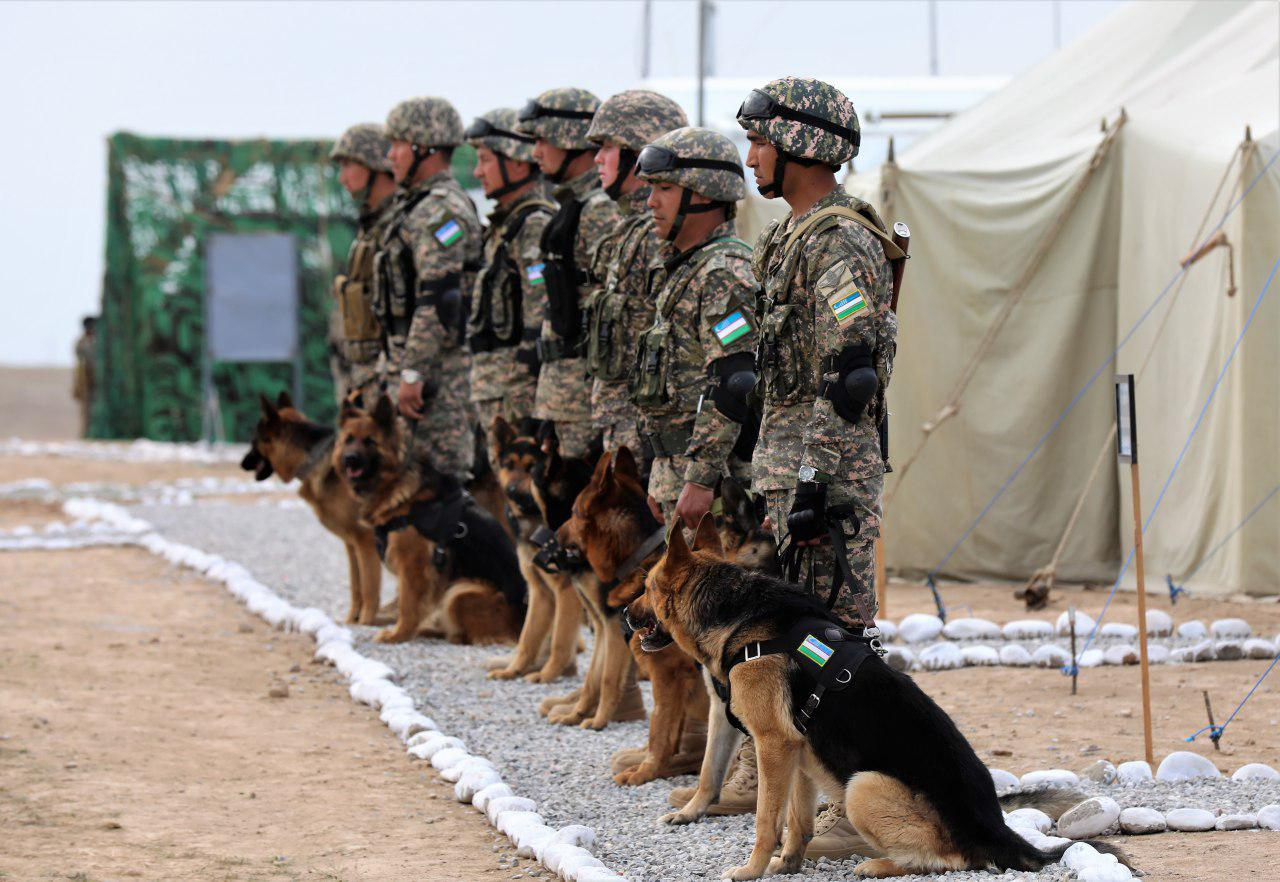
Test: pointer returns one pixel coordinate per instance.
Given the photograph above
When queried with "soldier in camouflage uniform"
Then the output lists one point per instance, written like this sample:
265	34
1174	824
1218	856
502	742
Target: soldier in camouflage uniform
620	308
84	380
429	252
828	344
694	365
366	174
558	120
507	304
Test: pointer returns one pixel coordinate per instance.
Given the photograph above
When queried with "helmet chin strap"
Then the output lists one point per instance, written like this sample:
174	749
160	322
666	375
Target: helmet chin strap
686	207
773	189
626	162
508	185
569	157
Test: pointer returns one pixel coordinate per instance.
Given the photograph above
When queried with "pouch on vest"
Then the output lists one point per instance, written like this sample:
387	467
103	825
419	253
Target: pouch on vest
648	382
561	273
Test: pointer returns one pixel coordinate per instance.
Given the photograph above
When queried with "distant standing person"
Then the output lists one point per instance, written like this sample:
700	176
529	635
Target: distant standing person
84	382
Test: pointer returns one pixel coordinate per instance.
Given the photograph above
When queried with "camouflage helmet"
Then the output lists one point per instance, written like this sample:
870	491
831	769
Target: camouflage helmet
365	143
427	121
804	118
497	131
697	159
561	117
635	118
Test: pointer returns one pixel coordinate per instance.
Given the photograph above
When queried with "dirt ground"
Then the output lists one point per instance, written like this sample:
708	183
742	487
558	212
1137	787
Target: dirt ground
36	403
138	741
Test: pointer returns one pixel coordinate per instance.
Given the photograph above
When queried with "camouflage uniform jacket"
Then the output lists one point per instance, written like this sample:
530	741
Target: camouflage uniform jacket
838	294
564	389
359	333
620	309
705	310
508	303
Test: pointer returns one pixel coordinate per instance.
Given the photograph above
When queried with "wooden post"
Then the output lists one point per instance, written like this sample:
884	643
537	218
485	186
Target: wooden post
1127	451
1075	663
882	578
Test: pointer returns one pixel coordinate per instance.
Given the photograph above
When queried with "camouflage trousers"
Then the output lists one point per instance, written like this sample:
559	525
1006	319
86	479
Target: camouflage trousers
861	550
512	410
444	437
666	480
564	398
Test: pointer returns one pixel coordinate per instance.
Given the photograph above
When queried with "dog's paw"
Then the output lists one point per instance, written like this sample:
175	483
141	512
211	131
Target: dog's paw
680	818
783	866
390	635
595	723
739	873
539	677
565	717
353	617
504	674
637	775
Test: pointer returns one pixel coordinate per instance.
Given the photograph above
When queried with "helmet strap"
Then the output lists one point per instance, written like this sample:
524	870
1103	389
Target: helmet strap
569	157
626	162
508	185
686	207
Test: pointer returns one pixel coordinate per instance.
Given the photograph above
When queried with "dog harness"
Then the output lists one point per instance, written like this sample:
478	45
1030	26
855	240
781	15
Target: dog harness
439	520
827	654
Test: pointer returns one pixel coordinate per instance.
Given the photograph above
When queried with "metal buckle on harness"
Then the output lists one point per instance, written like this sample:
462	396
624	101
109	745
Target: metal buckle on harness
846	674
811	705
746	652
873	636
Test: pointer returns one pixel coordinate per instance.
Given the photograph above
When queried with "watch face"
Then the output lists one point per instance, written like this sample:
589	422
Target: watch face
807	473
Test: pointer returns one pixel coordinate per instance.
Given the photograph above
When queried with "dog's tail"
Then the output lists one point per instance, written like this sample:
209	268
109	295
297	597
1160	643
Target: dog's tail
1053	801
475	613
1011	851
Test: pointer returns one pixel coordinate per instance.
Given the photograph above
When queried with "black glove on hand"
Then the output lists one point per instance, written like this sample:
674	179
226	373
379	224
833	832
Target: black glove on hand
808	517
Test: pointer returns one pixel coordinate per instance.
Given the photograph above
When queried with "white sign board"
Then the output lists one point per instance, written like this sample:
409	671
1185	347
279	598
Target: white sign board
251	297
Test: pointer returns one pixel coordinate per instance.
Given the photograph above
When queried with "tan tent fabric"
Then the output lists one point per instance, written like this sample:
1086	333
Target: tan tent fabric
983	194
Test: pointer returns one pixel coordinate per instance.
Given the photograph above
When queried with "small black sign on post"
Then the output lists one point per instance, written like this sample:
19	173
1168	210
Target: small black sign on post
1127	451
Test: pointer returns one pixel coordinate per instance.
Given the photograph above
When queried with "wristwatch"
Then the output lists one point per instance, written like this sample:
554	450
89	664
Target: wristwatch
411	377
808	474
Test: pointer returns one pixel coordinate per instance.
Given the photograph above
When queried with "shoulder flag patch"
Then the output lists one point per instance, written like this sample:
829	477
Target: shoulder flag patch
533	273
448	233
815	650
732	327
846	305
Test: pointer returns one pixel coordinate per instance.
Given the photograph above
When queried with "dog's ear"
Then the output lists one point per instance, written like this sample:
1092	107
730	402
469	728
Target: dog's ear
268	409
624	463
677	548
707	537
502	433
384	414
739	506
602	474
350	410
548	440
284	400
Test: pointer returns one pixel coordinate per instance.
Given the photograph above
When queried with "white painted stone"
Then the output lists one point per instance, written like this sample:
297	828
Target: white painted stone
1082	855
1101	771
1228	650
1084	625
473	780
1257	647
454	772
1050	778
1105	873
1239	821
1159	623
941	656
1190	820
1225	629
979	655
506	804
1050	656
1203	651
1091	658
1134	772
899	658
1139	820
1030	817
1027	629
576	834
509	821
1118	631
971	629
1269	817
1157	654
1193	630
530	838
1120	655
888	630
597	874
1092	817
919	628
1002	779
493	791
1183	765
449	757
1255	772
1014	656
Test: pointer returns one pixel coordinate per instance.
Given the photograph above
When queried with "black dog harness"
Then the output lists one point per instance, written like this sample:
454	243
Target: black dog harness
439	520
828	655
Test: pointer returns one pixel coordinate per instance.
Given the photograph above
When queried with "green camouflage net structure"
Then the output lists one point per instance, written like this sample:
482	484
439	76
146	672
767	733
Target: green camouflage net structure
164	197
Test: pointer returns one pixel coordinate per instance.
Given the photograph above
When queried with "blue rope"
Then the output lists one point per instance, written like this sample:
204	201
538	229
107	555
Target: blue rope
1215	732
1175	590
1101	368
1213	391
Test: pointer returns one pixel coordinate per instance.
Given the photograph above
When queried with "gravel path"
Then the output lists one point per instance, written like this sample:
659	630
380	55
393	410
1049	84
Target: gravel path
563	769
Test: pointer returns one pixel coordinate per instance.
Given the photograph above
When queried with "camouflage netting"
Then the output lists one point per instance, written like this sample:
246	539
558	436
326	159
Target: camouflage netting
164	197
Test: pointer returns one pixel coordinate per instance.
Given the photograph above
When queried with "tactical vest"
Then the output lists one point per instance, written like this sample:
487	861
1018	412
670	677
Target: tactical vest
648	381
353	290
784	359
496	319
606	346
563	279
395	272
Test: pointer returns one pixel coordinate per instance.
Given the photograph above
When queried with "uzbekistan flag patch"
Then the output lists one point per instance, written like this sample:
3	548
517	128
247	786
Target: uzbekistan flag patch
845	306
448	233
815	650
533	273
732	327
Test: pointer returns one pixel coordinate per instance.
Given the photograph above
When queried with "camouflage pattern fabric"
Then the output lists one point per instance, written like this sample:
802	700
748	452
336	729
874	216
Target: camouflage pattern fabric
827	290
428	121
564	389
635	118
502	383
619	311
696	143
365	143
804	140
704	311
82	382
559	131
357	331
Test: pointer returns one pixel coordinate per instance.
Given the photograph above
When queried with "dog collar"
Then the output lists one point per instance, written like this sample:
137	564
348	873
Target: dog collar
631	563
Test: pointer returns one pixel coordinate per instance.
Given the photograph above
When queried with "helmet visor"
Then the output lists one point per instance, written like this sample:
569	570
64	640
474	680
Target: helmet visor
482	128
655	160
760	106
533	110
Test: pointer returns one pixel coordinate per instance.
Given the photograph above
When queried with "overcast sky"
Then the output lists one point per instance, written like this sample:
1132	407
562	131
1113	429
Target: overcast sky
75	72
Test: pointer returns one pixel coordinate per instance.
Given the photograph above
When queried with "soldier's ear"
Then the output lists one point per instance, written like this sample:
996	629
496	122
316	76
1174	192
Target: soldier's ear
284	400
707	537
624	463
384	414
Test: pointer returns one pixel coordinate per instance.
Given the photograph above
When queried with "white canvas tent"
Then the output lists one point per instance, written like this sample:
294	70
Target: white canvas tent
1066	201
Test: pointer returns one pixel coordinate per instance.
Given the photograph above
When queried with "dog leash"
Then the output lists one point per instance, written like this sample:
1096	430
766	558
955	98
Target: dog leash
631	563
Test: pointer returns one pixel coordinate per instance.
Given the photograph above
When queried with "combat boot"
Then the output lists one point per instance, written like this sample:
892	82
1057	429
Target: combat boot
834	838
738	795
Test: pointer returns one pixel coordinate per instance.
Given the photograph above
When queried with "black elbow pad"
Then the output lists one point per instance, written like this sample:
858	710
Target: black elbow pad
445	294
855	383
732	380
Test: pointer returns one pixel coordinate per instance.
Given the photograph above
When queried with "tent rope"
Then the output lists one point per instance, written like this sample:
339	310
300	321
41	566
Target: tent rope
1044	579
1179	589
1016	293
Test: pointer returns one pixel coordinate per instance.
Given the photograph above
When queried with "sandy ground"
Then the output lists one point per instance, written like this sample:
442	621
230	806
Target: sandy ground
138	741
36	403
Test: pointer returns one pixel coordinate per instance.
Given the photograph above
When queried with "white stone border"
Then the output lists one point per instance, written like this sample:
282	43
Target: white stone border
565	852
141	450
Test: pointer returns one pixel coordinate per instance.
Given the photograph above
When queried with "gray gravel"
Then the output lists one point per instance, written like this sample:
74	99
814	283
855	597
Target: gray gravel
565	770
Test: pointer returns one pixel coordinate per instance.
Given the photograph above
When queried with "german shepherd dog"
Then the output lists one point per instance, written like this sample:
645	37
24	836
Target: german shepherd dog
287	444
540	485
912	785
467	580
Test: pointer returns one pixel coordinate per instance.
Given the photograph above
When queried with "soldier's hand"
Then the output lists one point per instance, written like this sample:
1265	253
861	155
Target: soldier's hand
694	502
410	400
655	509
